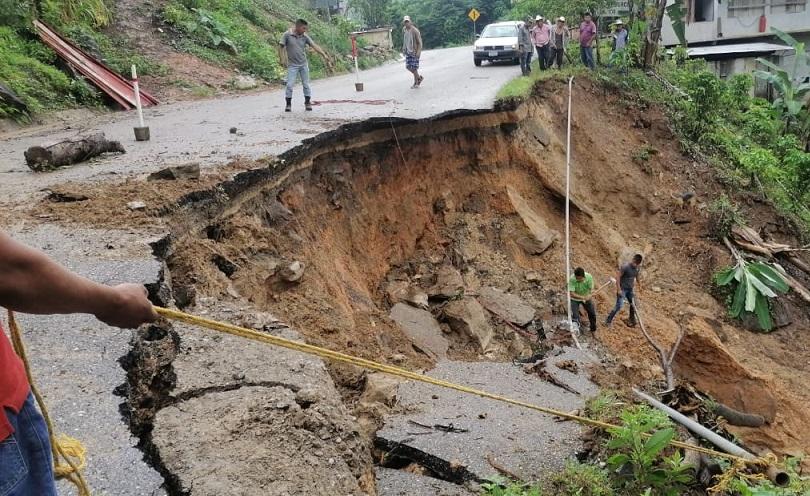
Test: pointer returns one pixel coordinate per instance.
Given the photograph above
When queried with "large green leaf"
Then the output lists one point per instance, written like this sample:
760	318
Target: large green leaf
760	286
769	276
618	460
788	39
725	276
658	442
763	313
750	293
738	303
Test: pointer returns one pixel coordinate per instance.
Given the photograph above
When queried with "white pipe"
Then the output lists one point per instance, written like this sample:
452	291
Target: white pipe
714	438
137	96
568	216
356	68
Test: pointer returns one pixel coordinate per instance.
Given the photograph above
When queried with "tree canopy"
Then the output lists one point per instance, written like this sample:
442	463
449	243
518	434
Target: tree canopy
445	22
572	10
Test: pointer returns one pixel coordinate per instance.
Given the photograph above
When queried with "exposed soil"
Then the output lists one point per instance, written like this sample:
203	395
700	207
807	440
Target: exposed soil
360	213
401	202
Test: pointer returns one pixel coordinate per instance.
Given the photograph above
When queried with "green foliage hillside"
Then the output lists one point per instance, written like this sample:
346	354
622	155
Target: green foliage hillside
247	32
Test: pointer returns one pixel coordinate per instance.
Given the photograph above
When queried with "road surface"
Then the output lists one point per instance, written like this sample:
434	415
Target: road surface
199	131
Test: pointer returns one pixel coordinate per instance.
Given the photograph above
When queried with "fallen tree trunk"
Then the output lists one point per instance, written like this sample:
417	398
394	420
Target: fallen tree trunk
11	99
40	159
738	418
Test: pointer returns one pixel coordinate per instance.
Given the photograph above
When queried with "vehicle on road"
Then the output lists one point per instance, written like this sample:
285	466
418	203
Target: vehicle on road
498	42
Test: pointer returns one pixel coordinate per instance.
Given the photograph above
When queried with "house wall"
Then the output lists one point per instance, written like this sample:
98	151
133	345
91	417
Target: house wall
381	38
738	19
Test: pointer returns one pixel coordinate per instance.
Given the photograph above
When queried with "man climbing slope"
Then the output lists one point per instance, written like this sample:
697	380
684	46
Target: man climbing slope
33	283
412	48
580	288
627	277
293	54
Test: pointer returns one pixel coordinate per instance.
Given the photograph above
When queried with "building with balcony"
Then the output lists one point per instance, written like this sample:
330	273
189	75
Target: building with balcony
732	34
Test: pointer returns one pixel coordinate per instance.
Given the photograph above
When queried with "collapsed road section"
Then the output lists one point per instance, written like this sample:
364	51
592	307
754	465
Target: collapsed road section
416	243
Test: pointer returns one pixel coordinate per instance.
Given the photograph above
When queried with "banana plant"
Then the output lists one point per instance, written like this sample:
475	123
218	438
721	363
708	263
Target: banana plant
753	284
792	92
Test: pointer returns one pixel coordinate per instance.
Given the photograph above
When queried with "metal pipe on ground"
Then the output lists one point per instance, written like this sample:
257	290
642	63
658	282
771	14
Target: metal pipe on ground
775	474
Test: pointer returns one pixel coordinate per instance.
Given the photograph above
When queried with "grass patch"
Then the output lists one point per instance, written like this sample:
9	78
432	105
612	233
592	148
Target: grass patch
27	70
521	87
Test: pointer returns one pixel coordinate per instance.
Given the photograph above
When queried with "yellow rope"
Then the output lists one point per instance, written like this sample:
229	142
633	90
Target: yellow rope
407	374
64	447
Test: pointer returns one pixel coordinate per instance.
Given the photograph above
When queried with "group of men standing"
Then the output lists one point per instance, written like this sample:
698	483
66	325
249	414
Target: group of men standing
549	41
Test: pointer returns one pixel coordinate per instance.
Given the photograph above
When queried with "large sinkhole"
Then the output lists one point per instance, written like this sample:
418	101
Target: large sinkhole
416	214
411	242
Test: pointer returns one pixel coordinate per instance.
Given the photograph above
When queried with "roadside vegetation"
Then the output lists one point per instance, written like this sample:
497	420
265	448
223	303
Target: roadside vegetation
247	32
636	459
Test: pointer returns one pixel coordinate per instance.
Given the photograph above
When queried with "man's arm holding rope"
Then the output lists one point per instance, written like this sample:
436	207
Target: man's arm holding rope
33	283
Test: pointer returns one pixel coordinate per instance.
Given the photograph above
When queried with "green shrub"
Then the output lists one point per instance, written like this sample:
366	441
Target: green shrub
606	406
582	479
639	461
723	216
500	486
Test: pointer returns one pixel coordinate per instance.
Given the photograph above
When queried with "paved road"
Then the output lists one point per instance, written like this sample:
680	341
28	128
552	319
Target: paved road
199	131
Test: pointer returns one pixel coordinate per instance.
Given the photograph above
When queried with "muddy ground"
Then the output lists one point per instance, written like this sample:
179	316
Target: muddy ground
431	215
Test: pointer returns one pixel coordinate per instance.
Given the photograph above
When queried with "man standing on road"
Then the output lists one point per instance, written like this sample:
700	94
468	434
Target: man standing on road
627	277
412	48
540	37
293	55
587	35
559	38
580	289
33	283
525	47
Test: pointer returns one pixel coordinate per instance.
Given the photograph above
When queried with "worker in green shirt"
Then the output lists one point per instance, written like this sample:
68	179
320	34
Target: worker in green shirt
580	288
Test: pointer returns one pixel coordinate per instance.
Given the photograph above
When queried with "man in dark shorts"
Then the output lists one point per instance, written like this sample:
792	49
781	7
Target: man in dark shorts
412	48
33	283
626	279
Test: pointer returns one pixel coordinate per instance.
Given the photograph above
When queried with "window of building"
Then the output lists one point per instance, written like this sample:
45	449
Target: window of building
747	8
788	6
701	10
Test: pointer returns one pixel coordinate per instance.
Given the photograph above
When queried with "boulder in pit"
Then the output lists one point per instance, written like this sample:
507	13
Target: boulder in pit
541	236
422	329
449	283
506	306
468	318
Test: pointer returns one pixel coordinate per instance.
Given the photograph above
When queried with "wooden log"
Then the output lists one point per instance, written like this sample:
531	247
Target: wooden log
68	152
12	100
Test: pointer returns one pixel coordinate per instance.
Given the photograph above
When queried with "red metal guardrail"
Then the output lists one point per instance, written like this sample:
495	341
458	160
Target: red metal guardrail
107	80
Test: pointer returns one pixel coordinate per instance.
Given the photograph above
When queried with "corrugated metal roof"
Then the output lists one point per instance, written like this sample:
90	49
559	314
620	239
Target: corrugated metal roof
737	48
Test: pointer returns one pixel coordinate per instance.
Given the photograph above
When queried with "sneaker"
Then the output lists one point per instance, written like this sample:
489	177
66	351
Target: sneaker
288	108
608	324
630	323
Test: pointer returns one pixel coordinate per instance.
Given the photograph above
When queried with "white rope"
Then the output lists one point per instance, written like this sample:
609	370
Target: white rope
568	217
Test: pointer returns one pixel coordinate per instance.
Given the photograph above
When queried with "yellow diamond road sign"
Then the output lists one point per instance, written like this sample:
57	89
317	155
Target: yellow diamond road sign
474	15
